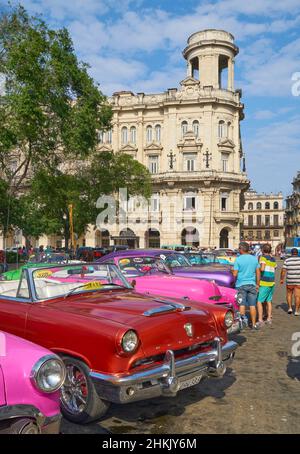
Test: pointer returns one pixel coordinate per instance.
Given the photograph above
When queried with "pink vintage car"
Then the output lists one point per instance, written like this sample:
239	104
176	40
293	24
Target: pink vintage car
30	379
152	277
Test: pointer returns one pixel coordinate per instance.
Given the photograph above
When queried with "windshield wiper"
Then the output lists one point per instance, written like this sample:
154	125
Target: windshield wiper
83	285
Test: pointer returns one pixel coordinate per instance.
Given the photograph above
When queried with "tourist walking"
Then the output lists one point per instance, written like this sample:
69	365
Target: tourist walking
291	272
246	270
267	284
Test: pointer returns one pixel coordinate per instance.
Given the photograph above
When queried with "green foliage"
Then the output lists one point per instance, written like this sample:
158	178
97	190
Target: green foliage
50	109
50	112
110	172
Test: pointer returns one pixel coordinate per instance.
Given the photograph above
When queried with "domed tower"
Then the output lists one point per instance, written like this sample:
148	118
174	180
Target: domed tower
208	54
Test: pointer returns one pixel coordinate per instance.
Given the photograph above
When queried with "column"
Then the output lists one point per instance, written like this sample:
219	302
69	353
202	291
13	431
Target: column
230	85
189	69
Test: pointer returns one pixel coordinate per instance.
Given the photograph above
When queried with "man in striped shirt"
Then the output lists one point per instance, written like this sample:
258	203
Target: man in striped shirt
267	284
291	270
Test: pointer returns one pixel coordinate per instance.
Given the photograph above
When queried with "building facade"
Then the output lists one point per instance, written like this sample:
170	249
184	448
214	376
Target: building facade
263	219
189	138
292	212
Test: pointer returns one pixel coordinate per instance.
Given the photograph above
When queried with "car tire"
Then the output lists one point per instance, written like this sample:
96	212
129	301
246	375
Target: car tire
83	390
24	426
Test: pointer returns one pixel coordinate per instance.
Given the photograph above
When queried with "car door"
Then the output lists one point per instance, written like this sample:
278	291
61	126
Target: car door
14	309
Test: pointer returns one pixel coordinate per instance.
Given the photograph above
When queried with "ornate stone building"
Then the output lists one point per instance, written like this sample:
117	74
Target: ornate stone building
263	218
189	138
292	212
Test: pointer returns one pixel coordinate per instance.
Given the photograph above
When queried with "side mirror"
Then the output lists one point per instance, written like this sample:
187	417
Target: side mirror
133	283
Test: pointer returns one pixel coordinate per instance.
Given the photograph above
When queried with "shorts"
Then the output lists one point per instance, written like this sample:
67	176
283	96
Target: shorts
248	294
295	289
265	294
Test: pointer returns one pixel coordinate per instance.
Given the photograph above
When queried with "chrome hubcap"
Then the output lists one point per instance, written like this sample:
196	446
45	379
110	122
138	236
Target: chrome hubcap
74	392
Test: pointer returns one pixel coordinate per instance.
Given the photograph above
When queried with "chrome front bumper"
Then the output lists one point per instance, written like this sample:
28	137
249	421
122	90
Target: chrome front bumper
168	378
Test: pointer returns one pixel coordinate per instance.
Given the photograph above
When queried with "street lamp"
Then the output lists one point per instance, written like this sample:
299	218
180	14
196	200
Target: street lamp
66	220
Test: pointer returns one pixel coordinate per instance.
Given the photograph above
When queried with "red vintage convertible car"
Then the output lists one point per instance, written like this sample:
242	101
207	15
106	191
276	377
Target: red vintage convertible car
117	345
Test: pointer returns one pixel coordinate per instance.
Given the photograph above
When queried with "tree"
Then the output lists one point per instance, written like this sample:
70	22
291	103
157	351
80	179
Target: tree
109	172
51	194
50	108
8	209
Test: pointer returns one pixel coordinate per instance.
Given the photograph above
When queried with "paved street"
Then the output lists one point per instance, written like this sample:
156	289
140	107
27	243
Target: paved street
261	393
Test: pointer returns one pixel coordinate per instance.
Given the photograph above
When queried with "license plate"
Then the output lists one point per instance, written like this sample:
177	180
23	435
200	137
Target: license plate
190	382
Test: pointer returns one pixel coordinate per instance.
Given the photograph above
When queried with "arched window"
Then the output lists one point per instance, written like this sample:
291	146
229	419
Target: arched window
222	129
149	134
267	205
109	136
158	133
258	206
196	128
250	206
124	137
276	205
133	134
184	127
229	130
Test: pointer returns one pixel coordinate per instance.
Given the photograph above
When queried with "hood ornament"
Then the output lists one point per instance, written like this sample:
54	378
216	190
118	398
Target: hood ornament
189	329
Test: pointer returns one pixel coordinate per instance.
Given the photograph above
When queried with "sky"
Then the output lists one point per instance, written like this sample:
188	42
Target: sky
137	45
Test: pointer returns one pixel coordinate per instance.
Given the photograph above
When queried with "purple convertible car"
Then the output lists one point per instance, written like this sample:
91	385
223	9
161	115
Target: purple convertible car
180	265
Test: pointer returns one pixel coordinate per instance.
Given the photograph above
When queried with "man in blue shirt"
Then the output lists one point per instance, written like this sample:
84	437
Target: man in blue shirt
247	273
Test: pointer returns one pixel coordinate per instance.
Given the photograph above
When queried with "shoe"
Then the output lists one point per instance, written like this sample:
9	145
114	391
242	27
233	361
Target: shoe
290	311
297	313
256	327
244	320
268	322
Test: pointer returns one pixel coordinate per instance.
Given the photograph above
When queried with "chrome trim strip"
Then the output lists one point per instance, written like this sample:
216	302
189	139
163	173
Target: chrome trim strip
159	310
163	371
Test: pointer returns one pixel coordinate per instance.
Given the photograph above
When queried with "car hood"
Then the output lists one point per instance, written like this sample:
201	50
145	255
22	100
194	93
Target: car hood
220	276
127	308
201	269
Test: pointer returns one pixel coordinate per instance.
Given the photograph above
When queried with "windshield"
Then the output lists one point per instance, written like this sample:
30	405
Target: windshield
140	266
174	260
199	259
50	282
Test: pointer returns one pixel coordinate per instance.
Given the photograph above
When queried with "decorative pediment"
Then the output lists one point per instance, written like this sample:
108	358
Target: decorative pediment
153	148
104	147
129	148
188	81
189	142
226	144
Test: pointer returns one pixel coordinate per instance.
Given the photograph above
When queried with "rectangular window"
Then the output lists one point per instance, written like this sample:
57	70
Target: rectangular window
250	221
267	221
276	233
190	162
190	202
224	201
224	159
259	235
250	234
153	164
258	220
267	234
276	220
154	203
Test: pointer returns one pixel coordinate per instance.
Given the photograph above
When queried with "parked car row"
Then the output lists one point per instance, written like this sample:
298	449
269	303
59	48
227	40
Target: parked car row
134	325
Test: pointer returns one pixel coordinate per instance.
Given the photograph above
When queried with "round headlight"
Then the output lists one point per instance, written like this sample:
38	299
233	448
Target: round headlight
238	299
228	320
130	341
48	374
